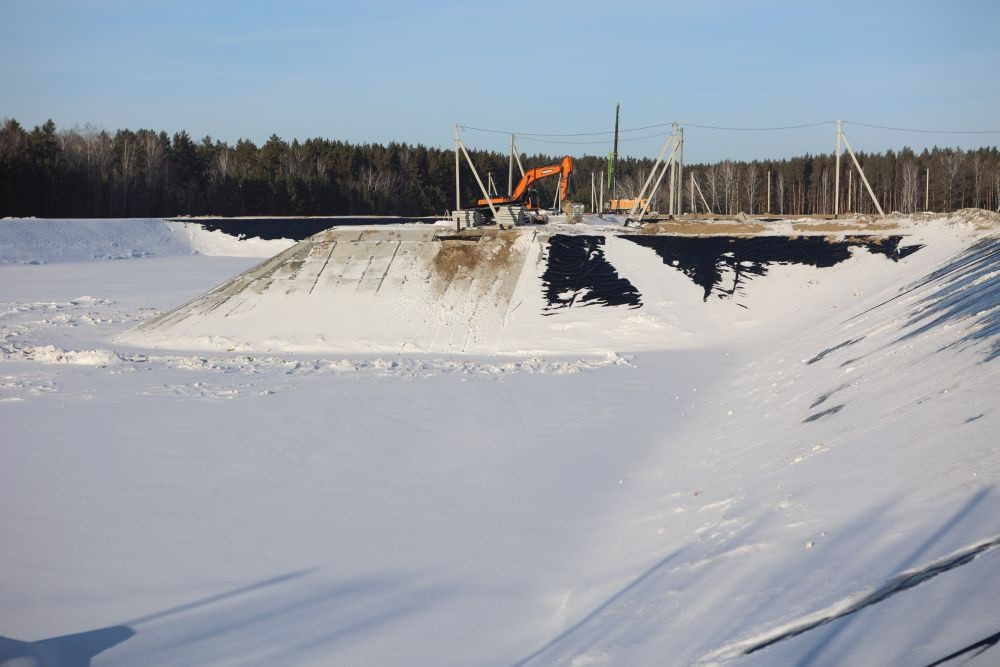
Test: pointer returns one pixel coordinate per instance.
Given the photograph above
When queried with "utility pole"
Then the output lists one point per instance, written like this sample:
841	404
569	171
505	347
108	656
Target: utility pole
458	185
680	175
600	200
510	169
694	205
836	177
614	155
673	171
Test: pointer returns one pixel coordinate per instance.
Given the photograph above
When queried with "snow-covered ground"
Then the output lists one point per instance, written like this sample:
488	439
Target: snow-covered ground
804	475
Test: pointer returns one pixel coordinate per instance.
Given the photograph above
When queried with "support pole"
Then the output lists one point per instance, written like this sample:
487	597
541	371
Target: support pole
600	202
680	174
708	209
475	173
668	165
861	172
510	169
836	176
673	172
694	206
656	164
458	185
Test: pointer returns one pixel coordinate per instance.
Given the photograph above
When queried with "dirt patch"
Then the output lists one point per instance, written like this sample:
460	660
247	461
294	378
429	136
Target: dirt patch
702	228
461	255
845	226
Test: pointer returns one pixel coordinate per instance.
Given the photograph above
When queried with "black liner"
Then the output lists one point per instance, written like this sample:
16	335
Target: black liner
577	273
296	229
703	258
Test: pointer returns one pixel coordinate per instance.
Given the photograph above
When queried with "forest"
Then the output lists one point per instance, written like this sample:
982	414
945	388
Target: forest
88	172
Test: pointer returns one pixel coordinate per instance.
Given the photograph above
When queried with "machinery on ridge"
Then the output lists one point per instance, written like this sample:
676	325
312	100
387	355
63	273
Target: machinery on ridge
527	195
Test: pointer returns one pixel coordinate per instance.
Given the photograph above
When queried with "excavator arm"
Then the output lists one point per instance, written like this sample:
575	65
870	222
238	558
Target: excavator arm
564	168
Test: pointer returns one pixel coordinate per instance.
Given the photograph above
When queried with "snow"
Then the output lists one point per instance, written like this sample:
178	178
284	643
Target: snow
41	241
810	476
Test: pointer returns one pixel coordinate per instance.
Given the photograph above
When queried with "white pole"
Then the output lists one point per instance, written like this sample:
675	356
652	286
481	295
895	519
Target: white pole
520	167
458	185
486	195
510	169
862	173
600	203
708	209
836	176
663	151
680	175
669	164
694	205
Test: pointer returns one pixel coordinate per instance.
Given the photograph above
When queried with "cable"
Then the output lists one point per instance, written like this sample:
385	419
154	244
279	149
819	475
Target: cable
758	129
581	143
535	136
903	129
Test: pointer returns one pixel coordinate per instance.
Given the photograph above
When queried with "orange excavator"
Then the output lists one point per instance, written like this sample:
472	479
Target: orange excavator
524	193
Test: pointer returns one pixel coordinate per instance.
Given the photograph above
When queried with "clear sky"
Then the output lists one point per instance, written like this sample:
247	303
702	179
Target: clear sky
380	70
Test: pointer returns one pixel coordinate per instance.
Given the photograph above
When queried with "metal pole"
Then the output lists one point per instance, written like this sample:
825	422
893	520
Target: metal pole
694	205
510	169
836	177
861	171
458	185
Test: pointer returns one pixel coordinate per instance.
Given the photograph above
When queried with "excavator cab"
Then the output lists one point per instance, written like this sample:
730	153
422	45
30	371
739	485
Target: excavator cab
531	199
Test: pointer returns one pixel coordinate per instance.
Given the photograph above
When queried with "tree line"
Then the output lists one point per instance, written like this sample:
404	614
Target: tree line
89	172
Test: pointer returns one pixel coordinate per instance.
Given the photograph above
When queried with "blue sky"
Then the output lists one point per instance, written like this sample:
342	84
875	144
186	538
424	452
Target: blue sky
385	70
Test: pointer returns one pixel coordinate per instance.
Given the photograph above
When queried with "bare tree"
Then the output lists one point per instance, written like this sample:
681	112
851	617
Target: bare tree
727	171
976	164
951	166
128	160
824	191
752	185
712	186
781	192
221	163
908	197
996	186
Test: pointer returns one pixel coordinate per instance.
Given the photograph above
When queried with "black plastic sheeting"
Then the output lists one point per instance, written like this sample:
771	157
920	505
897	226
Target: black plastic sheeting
578	274
703	259
297	229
